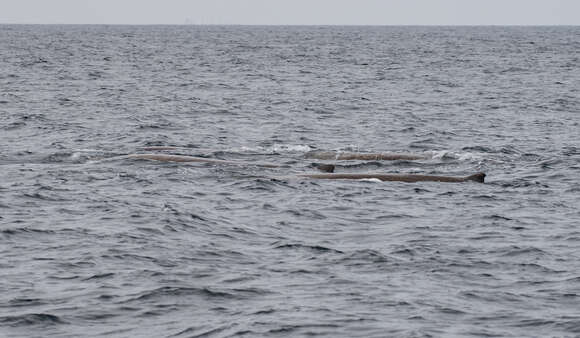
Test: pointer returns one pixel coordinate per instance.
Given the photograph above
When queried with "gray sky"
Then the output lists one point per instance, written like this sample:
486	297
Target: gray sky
295	12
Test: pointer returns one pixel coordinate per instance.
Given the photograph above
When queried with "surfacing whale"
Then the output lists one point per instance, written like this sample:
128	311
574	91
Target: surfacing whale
479	177
346	156
183	158
328	168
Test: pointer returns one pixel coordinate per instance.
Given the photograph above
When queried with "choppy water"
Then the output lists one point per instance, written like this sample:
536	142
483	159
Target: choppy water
92	246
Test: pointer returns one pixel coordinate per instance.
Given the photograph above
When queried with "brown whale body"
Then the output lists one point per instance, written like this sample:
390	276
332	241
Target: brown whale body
348	156
479	177
182	158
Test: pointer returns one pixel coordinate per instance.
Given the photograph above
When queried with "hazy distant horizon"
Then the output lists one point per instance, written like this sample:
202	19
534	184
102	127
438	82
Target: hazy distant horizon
283	25
295	13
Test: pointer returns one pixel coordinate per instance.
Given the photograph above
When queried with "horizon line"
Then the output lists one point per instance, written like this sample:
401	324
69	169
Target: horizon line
288	25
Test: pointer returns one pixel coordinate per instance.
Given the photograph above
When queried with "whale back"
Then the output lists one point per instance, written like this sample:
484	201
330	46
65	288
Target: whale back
184	158
479	177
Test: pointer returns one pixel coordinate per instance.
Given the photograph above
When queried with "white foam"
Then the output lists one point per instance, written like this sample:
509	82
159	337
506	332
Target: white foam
108	159
442	154
277	148
469	156
372	180
349	148
437	155
75	156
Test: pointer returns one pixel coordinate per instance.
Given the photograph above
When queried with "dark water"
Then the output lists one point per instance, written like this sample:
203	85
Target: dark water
97	247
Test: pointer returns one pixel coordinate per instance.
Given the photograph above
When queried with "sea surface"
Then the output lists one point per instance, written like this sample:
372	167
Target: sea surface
94	244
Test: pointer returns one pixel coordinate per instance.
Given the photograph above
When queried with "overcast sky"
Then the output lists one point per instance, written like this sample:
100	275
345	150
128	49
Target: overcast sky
294	12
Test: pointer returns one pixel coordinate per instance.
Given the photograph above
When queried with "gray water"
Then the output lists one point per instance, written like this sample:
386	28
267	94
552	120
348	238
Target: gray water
97	245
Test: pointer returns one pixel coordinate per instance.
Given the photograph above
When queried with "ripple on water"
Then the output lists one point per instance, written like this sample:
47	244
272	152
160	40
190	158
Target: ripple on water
32	319
98	244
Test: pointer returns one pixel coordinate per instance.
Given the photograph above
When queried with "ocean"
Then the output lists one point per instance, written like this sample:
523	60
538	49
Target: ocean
96	244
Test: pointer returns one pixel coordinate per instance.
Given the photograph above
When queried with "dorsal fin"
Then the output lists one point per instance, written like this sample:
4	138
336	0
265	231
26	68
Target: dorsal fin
326	168
479	177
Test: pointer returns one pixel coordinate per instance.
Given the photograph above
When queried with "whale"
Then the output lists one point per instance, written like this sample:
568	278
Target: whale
349	156
183	158
328	170
410	178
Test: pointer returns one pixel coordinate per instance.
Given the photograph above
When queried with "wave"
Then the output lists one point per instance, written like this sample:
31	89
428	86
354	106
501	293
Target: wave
314	248
204	292
452	155
32	319
275	149
25	230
